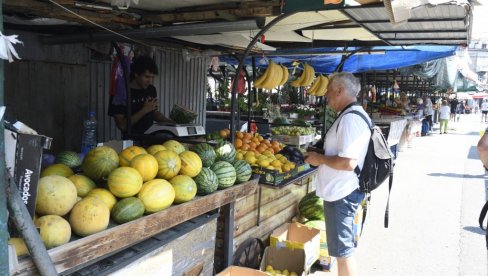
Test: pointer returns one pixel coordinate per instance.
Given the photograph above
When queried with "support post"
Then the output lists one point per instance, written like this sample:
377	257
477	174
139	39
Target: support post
3	180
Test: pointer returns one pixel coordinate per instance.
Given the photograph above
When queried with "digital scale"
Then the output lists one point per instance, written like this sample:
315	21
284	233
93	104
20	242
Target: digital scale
175	130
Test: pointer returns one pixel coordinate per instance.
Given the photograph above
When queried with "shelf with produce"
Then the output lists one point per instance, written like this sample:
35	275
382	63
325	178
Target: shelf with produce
83	251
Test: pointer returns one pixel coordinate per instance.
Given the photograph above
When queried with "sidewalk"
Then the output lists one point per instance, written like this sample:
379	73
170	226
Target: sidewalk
439	188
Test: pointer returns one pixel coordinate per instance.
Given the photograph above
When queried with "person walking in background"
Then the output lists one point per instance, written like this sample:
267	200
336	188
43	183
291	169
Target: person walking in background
484	110
454	105
345	146
444	112
428	111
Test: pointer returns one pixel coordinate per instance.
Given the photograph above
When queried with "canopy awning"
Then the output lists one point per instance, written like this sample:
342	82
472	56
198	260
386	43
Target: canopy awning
326	60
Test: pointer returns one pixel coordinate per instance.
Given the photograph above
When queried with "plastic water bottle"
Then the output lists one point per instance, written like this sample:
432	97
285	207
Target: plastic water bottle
89	138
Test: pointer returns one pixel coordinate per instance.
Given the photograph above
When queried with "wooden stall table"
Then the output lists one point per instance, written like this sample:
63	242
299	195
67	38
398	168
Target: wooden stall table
85	251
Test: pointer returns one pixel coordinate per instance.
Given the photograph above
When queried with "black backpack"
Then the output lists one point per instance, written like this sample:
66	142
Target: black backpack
378	164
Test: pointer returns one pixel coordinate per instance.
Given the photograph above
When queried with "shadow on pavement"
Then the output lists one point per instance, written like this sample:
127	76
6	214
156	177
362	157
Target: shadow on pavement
474	229
458	175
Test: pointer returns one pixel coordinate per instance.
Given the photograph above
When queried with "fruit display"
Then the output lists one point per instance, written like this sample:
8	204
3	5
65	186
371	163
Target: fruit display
271	271
218	135
292	130
123	187
306	78
53	230
275	75
319	87
293	154
311	207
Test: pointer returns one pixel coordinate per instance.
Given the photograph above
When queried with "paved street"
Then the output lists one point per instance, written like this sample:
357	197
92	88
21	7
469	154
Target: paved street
439	189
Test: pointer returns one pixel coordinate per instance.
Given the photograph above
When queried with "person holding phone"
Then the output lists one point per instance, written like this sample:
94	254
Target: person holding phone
144	99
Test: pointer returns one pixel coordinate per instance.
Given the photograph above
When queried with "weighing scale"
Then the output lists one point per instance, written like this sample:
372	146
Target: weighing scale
175	130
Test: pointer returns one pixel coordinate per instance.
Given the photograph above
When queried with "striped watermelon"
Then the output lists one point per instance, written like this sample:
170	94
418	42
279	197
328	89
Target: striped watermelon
243	170
127	209
225	151
311	207
68	158
206	153
207	182
225	173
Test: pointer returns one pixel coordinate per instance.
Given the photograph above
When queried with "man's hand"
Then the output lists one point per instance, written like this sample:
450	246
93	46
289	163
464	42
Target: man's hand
150	105
314	158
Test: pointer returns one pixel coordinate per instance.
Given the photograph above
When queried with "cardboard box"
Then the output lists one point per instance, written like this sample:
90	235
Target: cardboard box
23	156
241	271
298	236
284	258
272	177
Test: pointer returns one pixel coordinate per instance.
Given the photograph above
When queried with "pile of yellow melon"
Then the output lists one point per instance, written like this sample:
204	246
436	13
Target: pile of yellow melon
122	186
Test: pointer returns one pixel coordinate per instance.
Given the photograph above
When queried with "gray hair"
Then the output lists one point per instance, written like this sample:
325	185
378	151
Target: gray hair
348	80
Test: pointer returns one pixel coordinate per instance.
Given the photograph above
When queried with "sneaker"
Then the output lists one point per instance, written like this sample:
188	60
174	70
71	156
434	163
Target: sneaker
445	132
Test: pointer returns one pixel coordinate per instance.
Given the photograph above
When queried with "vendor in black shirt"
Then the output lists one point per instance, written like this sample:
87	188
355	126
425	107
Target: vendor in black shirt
145	101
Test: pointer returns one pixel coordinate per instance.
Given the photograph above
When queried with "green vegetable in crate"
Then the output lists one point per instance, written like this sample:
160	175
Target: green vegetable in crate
300	122
311	207
68	158
243	170
206	153
207	182
127	209
182	115
225	151
281	120
225	173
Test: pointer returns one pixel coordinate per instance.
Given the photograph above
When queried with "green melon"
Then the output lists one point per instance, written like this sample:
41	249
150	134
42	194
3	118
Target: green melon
100	162
68	158
243	170
225	151
127	209
185	188
225	173
207	182
206	153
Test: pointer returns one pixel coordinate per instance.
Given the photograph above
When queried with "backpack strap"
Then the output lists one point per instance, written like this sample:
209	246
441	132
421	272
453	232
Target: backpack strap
483	212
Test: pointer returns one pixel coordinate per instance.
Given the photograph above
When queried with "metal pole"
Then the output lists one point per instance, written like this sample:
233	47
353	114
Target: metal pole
26	227
229	234
3	183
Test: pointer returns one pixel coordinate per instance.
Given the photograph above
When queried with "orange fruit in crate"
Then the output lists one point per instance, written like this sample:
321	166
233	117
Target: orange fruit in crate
247	135
252	145
239	135
227	131
260	138
255	140
237	143
245	147
222	133
260	149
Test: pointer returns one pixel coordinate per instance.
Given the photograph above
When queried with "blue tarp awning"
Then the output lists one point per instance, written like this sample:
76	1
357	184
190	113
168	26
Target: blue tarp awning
326	60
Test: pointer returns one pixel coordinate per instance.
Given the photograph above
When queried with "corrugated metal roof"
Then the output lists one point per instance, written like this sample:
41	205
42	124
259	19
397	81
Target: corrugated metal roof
442	24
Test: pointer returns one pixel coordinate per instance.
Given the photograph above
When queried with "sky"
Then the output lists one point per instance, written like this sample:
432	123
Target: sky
480	21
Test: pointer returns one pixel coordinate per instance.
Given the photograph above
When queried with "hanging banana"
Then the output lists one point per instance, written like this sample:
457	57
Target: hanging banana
258	83
310	74
315	85
275	76
284	78
322	90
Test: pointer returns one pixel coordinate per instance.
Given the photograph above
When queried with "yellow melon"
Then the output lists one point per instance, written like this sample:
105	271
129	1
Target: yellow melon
174	146
83	184
104	195
57	169
124	182
127	154
146	165
156	195
90	215
56	195
155	148
20	247
191	164
169	164
53	230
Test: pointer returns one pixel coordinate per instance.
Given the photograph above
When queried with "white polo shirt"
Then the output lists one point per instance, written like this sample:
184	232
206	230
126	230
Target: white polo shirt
349	140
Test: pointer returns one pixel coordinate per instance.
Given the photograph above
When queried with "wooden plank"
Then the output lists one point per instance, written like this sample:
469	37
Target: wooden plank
270	210
267	226
92	248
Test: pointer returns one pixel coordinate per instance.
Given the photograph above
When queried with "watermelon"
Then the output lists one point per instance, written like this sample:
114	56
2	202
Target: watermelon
207	182
206	153
311	207
225	172
68	158
127	209
225	151
243	170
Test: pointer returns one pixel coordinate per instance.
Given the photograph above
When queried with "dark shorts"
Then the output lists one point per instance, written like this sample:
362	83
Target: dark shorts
339	220
484	112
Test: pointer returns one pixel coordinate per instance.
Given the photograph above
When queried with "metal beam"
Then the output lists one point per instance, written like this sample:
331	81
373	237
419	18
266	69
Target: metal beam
409	20
3	178
175	30
421	31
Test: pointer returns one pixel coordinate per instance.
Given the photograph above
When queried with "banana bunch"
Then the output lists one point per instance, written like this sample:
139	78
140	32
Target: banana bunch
275	75
305	78
319	87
